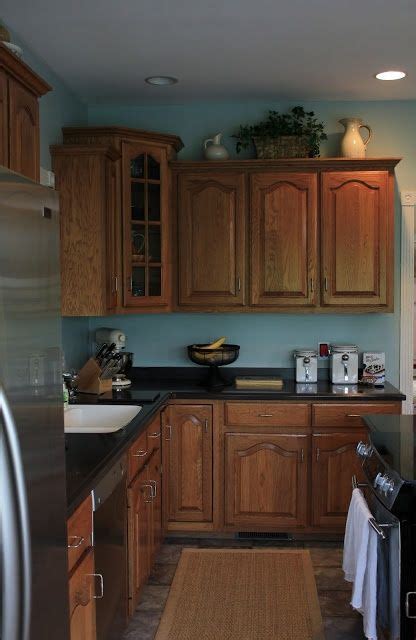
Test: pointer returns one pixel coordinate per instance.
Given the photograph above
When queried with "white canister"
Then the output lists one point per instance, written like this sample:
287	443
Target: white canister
344	364
306	365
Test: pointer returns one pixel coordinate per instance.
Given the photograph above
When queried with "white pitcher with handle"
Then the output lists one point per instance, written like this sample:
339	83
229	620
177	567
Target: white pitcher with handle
352	144
214	150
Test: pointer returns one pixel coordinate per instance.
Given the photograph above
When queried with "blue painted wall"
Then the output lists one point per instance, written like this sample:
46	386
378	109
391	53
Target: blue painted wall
57	109
268	339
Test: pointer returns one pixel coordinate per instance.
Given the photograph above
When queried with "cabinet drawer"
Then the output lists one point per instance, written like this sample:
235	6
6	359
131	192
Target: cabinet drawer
154	434
261	414
347	414
79	532
138	454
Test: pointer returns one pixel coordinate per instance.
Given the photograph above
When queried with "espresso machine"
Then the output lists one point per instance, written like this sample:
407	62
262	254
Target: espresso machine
112	343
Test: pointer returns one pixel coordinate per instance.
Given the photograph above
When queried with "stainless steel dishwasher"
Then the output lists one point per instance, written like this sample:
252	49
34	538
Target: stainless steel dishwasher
110	547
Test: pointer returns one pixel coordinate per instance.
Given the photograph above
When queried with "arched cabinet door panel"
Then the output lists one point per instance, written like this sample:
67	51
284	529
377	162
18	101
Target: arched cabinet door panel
266	480
357	239
23	130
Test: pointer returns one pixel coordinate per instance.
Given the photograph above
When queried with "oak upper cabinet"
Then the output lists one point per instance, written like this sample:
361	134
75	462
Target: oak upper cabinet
211	239
86	178
283	232
266	480
188	463
357	224
146	253
20	89
334	462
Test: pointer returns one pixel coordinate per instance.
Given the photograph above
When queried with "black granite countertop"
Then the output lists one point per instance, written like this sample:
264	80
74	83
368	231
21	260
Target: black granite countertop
89	457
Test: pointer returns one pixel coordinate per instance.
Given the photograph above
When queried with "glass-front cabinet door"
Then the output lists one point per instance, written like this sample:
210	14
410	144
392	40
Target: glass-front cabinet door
145	231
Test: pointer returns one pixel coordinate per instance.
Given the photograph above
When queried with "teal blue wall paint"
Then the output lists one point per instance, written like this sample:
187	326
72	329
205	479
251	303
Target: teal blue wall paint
57	109
268	339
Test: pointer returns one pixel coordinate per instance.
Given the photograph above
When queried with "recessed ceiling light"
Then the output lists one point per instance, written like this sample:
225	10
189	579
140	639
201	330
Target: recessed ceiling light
390	75
161	81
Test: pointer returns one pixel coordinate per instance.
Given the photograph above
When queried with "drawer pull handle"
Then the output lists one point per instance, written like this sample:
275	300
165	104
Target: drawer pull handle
152	491
154	435
169	428
265	415
78	541
154	488
353	415
100	576
140	454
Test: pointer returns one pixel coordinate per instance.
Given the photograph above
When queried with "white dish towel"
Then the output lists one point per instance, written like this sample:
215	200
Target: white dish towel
360	562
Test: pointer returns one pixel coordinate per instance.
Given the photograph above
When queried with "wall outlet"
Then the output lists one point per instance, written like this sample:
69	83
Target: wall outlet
47	178
323	350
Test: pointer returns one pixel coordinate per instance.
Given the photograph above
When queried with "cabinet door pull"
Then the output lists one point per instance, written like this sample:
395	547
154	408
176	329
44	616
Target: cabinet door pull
115	284
154	435
100	576
78	541
148	485
238	284
130	283
140	453
302	455
318	453
265	415
326	283
311	285
154	488
352	415
169	428
206	425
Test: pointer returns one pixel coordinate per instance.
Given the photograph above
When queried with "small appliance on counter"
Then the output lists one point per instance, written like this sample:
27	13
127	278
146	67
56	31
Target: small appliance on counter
112	357
344	364
306	365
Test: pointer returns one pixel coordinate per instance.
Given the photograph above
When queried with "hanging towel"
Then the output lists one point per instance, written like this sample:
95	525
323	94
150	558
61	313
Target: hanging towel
360	562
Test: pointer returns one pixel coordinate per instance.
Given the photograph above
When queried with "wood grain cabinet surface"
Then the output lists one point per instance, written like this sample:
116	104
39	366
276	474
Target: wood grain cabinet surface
20	89
266	480
283	231
334	462
188	463
82	621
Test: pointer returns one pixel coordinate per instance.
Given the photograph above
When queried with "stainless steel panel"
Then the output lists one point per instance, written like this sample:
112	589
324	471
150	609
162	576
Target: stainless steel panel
30	371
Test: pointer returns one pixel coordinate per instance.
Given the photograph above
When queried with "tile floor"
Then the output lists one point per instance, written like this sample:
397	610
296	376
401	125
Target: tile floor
340	621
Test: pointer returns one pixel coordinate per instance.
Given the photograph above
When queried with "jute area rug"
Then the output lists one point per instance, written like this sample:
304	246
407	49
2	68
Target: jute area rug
242	594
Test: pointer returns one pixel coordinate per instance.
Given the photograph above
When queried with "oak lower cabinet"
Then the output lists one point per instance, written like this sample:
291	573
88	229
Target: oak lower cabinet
266	478
81	600
334	462
188	463
211	239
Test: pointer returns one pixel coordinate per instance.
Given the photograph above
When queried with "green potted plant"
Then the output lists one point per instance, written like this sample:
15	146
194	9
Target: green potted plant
296	134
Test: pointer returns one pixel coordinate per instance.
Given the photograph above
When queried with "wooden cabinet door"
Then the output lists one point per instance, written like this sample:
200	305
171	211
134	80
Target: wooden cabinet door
139	501
334	462
283	239
211	214
112	236
4	121
190	461
155	479
23	130
357	239
265	480
81	600
146	232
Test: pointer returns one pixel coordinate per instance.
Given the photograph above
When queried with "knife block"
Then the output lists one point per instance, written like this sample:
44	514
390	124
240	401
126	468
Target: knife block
89	380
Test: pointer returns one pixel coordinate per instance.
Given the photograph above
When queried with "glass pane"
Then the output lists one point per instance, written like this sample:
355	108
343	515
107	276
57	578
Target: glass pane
154	202
137	167
153	169
138	243
138	288
137	201
155	281
154	244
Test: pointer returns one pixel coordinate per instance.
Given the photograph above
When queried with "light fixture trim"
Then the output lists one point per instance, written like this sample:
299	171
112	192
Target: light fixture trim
161	81
391	74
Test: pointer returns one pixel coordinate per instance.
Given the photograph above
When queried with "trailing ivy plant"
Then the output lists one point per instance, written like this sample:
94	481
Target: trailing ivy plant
297	122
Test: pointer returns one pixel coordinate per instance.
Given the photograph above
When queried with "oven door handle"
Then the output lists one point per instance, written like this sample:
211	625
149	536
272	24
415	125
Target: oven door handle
407	604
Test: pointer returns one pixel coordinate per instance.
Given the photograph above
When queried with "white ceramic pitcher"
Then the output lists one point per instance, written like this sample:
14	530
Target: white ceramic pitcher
352	144
214	150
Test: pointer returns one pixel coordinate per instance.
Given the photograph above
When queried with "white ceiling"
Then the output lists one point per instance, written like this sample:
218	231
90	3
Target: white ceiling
222	50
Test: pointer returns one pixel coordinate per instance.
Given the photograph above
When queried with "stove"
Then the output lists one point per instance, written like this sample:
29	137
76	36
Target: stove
388	462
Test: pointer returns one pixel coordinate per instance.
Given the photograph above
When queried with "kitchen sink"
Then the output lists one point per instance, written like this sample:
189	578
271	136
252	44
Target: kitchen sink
90	418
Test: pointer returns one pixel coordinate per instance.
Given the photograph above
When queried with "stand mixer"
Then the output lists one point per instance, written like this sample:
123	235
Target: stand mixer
117	339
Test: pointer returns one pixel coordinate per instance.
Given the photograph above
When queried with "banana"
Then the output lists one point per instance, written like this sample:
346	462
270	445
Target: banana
217	344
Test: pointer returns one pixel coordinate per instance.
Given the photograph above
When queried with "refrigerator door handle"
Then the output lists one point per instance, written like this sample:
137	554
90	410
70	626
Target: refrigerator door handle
15	532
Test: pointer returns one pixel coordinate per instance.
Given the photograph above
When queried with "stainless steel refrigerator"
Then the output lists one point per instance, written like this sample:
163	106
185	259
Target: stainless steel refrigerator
33	560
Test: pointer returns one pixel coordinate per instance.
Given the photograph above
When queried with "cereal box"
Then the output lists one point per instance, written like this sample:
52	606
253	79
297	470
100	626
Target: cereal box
374	370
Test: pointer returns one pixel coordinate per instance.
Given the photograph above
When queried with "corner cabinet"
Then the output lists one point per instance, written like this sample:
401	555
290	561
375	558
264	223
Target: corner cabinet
319	234
20	89
118	219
